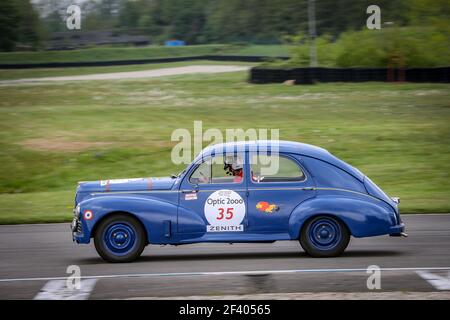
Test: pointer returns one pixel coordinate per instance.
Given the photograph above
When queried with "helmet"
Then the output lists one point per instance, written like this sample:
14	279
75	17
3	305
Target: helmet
236	166
232	164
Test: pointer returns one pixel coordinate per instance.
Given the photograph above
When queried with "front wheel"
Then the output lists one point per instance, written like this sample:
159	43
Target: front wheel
324	236
119	238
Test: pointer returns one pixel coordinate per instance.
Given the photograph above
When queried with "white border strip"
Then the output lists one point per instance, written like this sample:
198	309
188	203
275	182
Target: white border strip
438	282
221	273
58	290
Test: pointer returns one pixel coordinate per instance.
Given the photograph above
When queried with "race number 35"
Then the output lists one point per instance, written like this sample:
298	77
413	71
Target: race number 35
228	215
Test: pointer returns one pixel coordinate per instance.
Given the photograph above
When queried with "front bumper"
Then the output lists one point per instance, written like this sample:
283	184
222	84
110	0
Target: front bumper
75	226
398	230
78	235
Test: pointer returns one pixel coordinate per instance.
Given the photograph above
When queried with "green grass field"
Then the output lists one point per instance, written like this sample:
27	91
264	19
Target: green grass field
136	53
53	135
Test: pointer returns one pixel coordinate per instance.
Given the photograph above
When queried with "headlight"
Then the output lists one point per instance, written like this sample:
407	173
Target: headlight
76	211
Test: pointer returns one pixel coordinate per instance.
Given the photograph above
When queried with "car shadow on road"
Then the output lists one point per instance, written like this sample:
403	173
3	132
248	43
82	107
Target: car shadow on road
245	255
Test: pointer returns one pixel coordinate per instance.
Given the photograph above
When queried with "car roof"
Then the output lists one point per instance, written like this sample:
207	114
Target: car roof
283	147
269	145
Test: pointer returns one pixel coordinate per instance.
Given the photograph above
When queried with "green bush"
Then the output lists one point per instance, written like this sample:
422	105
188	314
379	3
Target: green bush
389	46
402	47
300	52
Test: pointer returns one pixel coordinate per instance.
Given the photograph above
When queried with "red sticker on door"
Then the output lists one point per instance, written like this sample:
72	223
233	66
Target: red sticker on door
267	207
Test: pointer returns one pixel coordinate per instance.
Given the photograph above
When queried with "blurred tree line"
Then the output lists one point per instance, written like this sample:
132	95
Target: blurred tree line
341	24
225	21
20	25
421	38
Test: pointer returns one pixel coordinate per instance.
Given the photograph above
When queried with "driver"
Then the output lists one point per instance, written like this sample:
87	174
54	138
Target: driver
234	167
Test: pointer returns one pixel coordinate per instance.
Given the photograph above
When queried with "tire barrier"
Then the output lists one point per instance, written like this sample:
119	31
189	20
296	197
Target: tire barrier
313	75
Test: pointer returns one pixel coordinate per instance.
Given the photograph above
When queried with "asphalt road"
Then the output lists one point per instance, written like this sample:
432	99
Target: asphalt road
34	259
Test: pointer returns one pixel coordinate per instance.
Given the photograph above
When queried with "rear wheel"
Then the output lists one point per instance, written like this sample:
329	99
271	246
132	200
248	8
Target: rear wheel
324	236
119	238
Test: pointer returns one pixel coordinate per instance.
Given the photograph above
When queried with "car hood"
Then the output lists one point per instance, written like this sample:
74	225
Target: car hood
135	184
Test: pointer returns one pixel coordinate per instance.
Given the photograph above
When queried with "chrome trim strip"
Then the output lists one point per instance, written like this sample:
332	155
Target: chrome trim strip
134	192
283	188
351	191
239	190
155	191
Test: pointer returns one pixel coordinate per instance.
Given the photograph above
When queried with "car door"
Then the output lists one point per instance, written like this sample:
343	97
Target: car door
212	202
274	193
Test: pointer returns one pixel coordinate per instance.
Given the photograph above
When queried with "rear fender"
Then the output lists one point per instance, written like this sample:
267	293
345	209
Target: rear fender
363	216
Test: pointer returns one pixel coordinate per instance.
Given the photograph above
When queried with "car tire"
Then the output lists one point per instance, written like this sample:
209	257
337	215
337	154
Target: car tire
120	238
324	236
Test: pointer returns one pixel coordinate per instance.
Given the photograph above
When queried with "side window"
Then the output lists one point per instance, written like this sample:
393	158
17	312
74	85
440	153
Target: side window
219	169
274	168
202	174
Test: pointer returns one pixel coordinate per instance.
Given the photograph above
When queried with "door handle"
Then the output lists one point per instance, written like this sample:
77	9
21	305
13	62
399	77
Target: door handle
308	188
195	190
189	191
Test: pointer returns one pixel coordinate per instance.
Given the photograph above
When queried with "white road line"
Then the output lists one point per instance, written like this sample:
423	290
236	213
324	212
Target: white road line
221	273
58	290
438	282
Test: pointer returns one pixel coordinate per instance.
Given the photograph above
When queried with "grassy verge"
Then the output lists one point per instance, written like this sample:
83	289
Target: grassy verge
262	50
110	54
36	207
136	53
53	135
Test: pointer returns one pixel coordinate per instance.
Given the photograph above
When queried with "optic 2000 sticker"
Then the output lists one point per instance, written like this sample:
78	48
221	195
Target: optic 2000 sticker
225	211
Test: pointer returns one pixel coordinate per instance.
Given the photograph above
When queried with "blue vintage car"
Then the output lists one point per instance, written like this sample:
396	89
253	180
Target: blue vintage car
257	191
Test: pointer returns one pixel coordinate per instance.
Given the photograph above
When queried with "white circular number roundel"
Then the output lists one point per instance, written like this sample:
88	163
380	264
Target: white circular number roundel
224	208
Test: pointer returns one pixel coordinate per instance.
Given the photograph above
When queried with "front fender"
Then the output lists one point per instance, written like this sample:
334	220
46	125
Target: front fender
158	217
363	215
